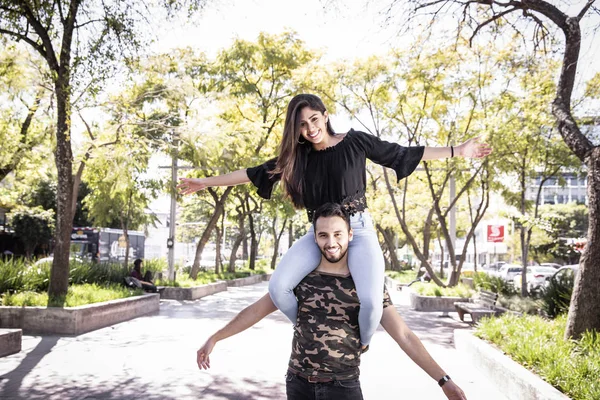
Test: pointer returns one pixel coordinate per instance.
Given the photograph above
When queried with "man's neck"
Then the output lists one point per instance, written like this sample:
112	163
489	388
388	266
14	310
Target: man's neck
338	268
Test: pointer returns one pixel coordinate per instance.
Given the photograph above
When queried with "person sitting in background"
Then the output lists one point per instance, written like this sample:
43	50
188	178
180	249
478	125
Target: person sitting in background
144	280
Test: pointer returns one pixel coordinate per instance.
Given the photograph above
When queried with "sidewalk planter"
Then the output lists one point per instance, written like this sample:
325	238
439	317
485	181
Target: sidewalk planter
509	377
393	284
10	341
192	293
433	303
77	320
249	280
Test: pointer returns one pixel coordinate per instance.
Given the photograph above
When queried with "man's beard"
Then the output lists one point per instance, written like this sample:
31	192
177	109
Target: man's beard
333	259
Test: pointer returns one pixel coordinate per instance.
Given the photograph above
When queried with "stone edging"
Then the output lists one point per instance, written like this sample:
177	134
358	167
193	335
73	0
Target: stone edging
433	303
77	320
197	292
10	341
192	293
511	378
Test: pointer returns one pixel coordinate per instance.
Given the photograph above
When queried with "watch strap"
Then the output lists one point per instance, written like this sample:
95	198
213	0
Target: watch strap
443	381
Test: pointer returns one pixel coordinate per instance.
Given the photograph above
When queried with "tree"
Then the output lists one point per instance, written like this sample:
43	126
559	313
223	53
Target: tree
118	192
77	39
251	82
530	149
33	226
479	14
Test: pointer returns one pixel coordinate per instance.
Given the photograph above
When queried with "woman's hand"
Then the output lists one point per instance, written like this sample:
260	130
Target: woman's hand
191	185
202	356
472	148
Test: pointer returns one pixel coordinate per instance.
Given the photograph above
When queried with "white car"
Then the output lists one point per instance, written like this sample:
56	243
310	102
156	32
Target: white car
509	271
538	277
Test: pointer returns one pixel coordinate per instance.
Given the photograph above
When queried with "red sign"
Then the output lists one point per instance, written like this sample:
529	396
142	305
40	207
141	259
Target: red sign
495	233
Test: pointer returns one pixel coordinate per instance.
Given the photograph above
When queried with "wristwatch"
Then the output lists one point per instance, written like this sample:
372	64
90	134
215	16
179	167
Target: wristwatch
443	381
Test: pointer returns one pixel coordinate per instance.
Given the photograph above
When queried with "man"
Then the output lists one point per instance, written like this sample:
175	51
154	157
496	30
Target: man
326	346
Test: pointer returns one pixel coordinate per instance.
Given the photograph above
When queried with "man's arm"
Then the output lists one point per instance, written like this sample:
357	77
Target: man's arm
393	323
244	320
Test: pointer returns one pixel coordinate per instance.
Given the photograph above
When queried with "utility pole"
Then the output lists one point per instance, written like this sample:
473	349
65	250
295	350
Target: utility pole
173	211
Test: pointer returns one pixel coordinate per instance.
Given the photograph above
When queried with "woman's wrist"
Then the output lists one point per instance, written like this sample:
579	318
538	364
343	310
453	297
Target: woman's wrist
458	151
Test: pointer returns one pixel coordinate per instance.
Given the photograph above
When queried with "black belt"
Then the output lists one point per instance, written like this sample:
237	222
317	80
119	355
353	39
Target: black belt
317	379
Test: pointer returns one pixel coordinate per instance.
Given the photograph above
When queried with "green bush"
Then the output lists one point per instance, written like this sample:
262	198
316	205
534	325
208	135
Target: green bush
525	305
402	276
538	344
77	295
431	289
483	281
155	265
184	280
556	297
18	276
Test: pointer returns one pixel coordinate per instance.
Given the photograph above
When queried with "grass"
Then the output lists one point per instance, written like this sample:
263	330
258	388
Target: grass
573	367
78	295
184	280
431	289
405	276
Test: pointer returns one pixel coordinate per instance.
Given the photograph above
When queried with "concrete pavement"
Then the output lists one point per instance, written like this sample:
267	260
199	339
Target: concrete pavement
154	357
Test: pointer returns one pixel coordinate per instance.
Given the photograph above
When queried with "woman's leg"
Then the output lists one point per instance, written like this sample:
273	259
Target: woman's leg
300	259
367	266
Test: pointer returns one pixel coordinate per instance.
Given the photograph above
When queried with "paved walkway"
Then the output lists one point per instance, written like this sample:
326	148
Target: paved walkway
154	357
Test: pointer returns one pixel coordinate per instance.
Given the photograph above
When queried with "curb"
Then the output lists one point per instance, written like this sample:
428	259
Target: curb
512	379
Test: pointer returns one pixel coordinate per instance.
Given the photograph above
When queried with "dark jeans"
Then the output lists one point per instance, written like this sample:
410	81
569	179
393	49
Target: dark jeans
298	388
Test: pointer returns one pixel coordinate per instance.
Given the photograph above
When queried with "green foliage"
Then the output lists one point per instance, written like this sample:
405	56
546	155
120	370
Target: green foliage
538	344
18	275
431	289
34	226
495	284
402	276
78	295
155	265
556	297
524	305
184	280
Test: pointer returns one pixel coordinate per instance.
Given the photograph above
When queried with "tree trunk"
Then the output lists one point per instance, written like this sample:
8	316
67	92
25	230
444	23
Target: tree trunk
388	238
238	241
276	240
253	243
584	313
219	236
59	275
290	235
214	219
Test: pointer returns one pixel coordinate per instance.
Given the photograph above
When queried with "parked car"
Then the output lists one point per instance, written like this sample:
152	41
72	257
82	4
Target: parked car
509	271
538	277
566	273
553	265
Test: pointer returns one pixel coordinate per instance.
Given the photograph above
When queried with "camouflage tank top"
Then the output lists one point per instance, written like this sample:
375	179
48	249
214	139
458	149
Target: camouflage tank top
326	336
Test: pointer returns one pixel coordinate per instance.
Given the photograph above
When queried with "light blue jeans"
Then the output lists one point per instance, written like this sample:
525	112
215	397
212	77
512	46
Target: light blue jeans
365	260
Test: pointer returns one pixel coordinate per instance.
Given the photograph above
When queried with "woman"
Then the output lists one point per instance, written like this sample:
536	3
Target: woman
318	166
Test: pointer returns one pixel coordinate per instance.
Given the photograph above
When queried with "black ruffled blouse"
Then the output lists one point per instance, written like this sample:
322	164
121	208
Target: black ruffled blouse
338	174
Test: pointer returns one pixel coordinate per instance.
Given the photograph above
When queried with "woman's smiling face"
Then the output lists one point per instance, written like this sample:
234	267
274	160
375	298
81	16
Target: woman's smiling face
313	127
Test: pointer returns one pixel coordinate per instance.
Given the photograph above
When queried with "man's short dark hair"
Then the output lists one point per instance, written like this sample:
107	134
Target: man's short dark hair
137	263
331	210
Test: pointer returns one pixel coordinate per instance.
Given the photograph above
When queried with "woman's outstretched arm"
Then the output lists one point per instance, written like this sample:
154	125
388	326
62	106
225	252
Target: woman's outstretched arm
192	185
472	148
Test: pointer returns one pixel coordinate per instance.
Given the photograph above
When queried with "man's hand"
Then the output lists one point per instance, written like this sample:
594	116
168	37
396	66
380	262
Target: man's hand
202	356
453	392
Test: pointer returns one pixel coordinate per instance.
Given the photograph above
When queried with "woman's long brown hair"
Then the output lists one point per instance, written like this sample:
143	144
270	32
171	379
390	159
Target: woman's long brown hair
293	150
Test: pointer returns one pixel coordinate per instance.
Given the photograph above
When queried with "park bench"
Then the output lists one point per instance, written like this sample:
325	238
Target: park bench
483	305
